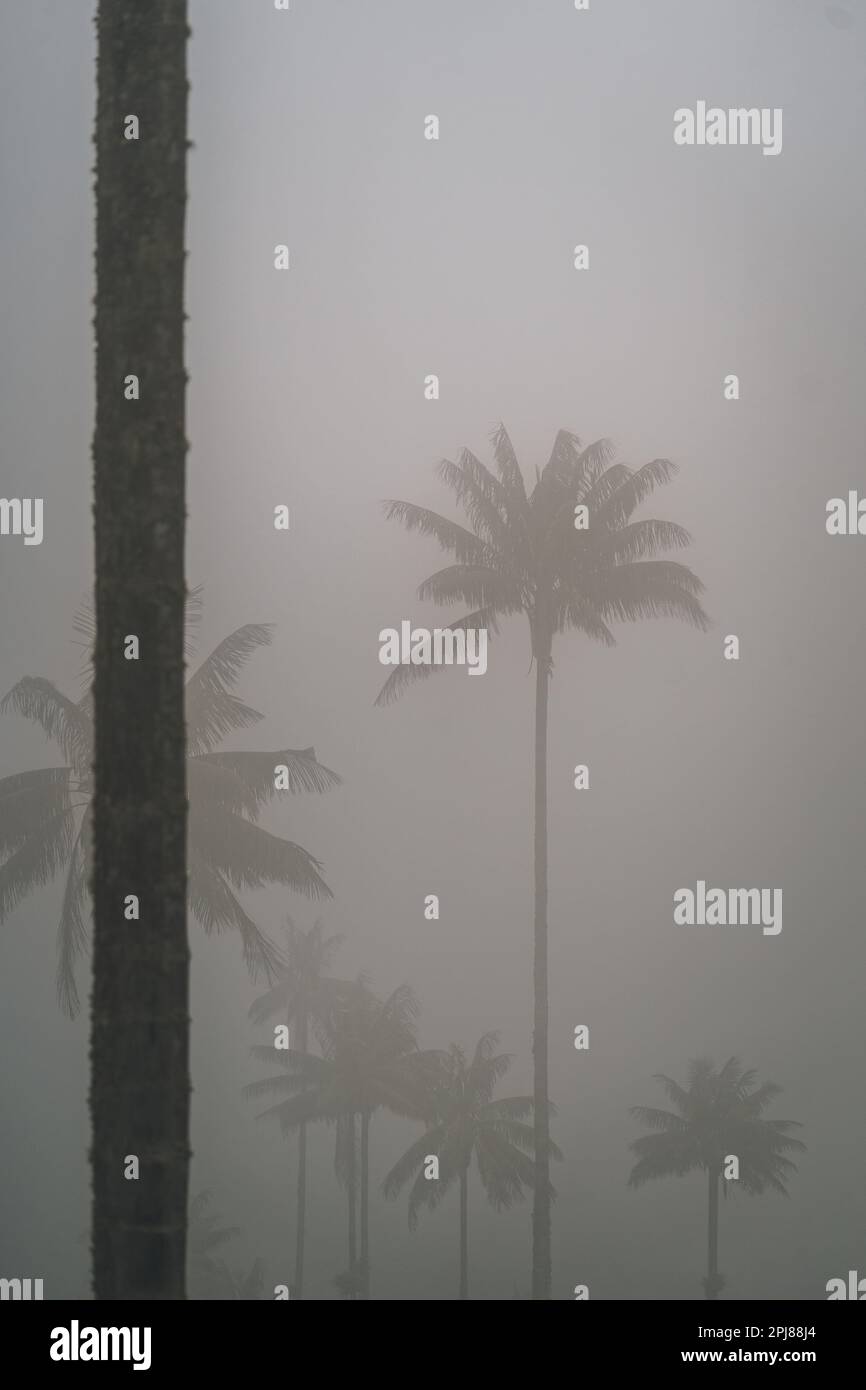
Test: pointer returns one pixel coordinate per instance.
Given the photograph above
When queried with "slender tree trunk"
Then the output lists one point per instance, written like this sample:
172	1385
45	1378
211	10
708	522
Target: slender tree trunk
464	1233
139	1089
365	1203
712	1281
353	1192
541	1262
302	1179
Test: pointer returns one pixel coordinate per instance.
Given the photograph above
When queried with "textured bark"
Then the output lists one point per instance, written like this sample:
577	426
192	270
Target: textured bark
541	1267
139	1093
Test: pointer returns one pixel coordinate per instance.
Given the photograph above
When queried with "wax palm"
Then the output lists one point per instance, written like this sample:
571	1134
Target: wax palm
718	1113
523	554
468	1123
304	997
45	821
370	1061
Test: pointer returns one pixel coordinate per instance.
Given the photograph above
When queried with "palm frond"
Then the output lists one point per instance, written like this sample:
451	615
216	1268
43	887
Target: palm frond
72	932
467	548
402	677
59	717
211	709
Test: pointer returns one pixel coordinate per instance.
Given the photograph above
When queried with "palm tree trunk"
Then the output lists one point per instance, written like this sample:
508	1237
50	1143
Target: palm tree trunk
464	1233
712	1280
353	1190
365	1203
139	1088
541	1265
301	1216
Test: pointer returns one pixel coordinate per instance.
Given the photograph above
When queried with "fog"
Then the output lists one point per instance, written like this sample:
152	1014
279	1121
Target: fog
455	257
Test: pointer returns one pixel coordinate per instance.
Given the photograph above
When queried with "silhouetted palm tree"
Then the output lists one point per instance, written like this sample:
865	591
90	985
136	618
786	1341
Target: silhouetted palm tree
466	1123
45	820
523	554
370	1061
719	1113
304	996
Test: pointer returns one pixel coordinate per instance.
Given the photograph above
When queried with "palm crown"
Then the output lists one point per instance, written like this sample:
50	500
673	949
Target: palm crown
716	1114
45	821
369	1060
304	991
524	555
465	1122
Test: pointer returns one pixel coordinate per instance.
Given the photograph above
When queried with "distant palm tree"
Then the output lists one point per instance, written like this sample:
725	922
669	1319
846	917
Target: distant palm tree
525	554
718	1114
45	815
370	1062
304	996
466	1123
208	1275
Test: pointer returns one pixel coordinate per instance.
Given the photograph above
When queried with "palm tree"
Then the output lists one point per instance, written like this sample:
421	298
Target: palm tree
305	995
524	554
370	1061
45	815
139	1035
207	1273
468	1123
718	1113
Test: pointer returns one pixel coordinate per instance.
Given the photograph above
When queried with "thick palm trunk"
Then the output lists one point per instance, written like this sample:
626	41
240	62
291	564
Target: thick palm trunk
712	1280
139	1090
464	1233
301	1217
365	1204
541	1265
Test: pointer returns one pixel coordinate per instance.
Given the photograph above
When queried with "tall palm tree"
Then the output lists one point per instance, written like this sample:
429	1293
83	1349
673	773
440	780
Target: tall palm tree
522	553
370	1061
139	1045
466	1123
45	815
304	996
716	1114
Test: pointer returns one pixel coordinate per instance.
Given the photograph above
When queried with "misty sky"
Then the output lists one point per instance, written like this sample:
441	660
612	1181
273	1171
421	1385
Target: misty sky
455	257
